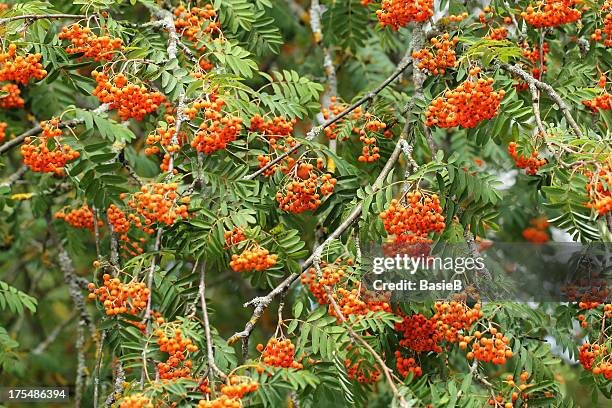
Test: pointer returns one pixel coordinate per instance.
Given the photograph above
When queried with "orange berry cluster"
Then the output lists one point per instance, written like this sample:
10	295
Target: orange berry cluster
279	353
406	366
598	189
118	297
217	130
594	358
351	302
254	259
551	13
532	163
457	18
357	369
598	35
277	133
498	34
3	126
537	233
413	222
369	152
79	218
334	109
482	17
231	393
467	105
453	317
158	203
537	58
130	100
234	236
196	23
419	333
222	401
445	56
492	348
274	128
305	190
514	392
12	100
20	69
136	401
601	101
39	158
121	225
450	320
398	13
178	347
116	217
238	386
164	134
331	274
100	48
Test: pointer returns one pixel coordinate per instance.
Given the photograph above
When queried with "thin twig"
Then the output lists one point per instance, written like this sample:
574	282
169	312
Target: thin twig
261	303
209	343
33	17
316	131
37	129
549	90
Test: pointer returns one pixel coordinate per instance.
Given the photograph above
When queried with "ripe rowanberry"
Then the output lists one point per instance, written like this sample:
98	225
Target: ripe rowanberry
598	189
279	352
414	221
3	126
178	347
20	69
406	366
359	369
537	232
331	274
217	130
79	218
398	13
253	259
368	130
439	57
305	189
158	203
196	24
100	48
234	236
136	401
532	162
130	100
497	34
551	13
118	297
467	105
489	346
38	156
11	99
605	35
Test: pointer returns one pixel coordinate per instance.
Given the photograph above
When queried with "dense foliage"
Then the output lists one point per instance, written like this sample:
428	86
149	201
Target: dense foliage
186	190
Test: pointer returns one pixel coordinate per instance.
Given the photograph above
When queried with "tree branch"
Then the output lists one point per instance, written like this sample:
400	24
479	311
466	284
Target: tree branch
261	303
37	129
549	90
33	17
316	131
212	367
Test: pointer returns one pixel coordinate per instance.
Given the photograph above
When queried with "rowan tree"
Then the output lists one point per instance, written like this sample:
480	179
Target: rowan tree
187	190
